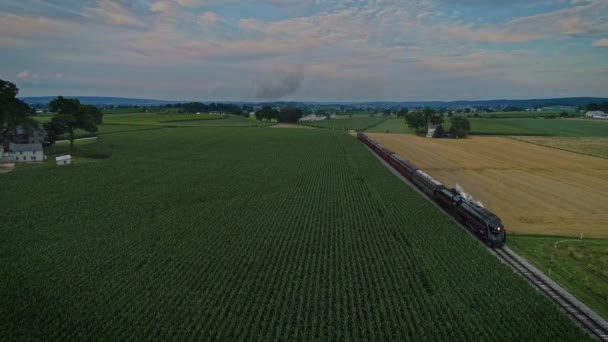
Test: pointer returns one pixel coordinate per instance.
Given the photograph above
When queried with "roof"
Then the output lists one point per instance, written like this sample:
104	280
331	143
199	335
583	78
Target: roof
24	147
66	157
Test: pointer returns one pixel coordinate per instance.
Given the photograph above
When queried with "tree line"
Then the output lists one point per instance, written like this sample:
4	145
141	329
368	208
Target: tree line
593	107
198	107
286	114
420	120
69	116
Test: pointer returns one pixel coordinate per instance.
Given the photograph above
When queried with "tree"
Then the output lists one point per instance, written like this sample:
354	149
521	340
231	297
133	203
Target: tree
416	121
13	112
386	111
592	107
604	107
54	129
72	115
266	113
403	112
460	127
289	114
431	116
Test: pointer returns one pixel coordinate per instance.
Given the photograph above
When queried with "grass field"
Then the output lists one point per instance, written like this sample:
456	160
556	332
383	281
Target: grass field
392	125
513	127
126	122
581	266
157	119
597	147
213	233
346	123
534	189
539	127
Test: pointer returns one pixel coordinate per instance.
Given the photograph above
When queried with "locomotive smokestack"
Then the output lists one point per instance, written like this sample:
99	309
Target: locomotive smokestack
466	196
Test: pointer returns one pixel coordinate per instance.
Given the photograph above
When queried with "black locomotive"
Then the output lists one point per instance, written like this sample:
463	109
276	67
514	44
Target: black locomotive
480	220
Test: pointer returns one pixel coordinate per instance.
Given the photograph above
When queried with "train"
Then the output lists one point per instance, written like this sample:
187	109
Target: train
478	219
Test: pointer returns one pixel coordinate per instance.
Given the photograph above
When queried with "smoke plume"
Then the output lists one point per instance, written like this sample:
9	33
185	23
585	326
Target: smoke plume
268	91
466	196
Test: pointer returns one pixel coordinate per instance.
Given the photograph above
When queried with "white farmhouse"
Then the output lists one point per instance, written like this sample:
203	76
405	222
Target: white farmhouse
64	160
23	153
597	114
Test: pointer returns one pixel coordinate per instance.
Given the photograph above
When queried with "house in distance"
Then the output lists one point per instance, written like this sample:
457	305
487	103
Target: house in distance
22	153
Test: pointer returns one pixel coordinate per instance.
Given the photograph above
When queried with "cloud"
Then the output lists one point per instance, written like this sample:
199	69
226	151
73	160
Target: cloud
12	25
209	19
23	75
584	19
492	3
27	75
114	12
601	43
487	34
249	24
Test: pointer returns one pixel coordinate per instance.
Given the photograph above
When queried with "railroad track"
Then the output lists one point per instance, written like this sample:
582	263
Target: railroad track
579	315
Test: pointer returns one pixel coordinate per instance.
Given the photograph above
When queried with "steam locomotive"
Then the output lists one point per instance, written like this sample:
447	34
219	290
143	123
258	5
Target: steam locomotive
481	221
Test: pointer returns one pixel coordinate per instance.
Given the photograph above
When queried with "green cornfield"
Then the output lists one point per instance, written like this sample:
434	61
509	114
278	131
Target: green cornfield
215	233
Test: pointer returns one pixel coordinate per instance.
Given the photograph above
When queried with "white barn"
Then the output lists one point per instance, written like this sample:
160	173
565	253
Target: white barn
313	117
64	160
597	114
23	153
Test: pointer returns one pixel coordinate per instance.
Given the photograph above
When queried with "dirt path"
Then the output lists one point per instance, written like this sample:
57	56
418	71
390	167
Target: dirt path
534	189
291	126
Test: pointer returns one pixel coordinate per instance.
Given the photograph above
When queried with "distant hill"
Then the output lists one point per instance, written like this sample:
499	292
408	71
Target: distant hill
566	101
101	101
119	101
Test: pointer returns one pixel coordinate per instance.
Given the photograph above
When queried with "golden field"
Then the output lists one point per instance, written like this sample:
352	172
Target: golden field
534	189
597	147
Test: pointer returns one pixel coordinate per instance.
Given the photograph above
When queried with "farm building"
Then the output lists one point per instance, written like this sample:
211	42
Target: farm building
22	153
64	160
431	130
313	117
597	114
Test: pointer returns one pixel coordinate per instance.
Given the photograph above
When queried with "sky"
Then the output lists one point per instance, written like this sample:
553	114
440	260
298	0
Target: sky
306	50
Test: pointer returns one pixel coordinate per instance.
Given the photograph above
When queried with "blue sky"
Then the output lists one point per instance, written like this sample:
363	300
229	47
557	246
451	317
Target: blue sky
341	50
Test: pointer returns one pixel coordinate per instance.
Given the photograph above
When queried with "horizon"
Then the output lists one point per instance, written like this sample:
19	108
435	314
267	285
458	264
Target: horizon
315	51
315	101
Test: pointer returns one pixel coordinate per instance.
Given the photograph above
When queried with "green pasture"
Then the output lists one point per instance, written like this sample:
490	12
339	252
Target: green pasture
392	125
580	266
513	127
358	123
540	127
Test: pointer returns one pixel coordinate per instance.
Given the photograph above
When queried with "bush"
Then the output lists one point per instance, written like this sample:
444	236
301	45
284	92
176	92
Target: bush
439	132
